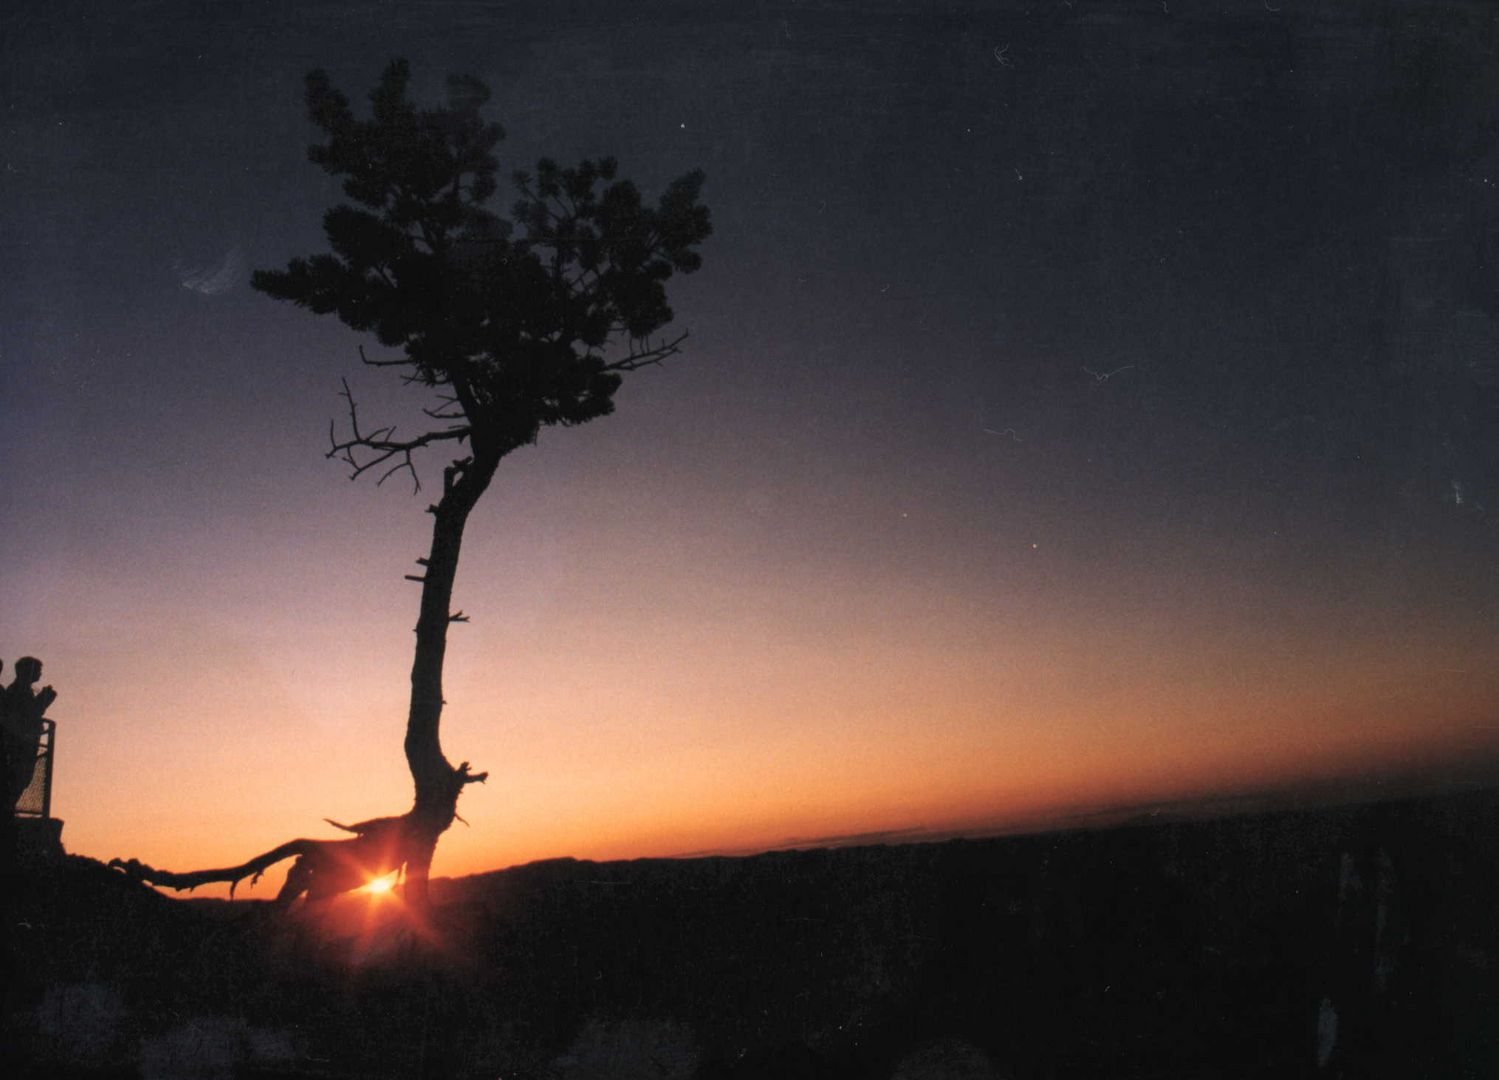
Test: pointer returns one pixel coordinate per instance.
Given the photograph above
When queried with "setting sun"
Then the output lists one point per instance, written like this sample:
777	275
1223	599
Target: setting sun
381	885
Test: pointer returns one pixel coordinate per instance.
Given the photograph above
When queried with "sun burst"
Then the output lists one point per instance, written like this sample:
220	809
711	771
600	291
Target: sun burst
380	886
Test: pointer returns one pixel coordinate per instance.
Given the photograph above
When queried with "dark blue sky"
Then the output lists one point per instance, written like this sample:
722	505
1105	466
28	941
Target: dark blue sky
1276	217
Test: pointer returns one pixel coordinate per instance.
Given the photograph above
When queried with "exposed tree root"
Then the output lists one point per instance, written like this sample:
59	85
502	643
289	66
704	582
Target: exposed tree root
325	868
139	871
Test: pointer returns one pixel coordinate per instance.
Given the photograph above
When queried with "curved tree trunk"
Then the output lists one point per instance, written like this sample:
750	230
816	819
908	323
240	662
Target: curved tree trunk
325	868
438	783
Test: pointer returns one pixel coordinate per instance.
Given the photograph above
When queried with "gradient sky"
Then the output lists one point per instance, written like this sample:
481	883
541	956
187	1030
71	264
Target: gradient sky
1085	402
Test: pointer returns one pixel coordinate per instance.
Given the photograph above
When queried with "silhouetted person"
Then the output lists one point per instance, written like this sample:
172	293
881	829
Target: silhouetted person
21	710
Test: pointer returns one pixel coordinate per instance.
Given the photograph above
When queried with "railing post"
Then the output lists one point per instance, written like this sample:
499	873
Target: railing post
49	728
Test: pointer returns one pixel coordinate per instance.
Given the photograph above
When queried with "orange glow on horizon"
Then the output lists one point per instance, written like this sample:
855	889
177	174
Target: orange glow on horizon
721	695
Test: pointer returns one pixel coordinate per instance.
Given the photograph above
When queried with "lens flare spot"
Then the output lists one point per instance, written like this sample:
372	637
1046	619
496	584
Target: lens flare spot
380	886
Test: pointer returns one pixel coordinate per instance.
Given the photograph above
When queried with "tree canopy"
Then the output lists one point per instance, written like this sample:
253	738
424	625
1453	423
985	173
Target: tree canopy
526	321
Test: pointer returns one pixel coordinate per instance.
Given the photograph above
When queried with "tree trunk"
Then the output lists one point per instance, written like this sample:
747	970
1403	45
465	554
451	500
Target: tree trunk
438	783
325	868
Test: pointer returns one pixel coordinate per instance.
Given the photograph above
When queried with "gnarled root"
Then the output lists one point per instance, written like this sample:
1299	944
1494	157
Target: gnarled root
323	868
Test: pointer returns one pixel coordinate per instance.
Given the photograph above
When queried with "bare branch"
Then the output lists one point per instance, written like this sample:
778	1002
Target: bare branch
448	408
642	353
381	363
388	473
363	827
364	451
465	777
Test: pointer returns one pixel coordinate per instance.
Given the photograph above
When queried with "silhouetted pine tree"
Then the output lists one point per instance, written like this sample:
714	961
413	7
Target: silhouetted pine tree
512	324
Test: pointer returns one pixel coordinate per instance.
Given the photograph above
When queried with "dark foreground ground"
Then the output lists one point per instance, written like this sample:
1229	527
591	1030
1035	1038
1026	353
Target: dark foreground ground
1345	942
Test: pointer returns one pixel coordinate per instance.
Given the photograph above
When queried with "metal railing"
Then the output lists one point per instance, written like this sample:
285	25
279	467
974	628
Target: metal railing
36	800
